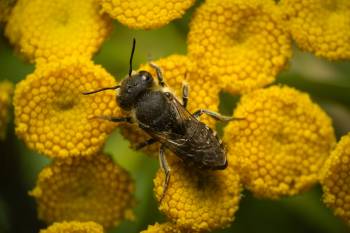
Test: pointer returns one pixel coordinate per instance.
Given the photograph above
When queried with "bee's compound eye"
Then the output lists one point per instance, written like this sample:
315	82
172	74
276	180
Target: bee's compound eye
146	77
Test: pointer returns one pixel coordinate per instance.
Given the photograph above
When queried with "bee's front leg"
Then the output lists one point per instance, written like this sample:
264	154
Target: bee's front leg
166	169
113	119
159	74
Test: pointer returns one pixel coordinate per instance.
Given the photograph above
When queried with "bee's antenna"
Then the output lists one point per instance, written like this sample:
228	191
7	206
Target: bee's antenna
102	89
132	55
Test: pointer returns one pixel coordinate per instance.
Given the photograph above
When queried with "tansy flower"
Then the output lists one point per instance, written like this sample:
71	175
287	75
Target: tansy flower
84	189
198	200
50	30
74	227
5	9
140	14
242	43
282	142
335	179
162	228
6	89
320	26
52	115
203	93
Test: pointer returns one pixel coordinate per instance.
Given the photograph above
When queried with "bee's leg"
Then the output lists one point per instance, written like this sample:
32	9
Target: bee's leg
184	94
166	169
215	115
113	119
145	143
159	74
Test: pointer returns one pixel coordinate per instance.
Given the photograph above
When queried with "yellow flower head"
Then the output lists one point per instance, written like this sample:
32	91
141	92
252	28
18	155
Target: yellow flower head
335	179
162	228
140	14
199	200
242	43
282	142
5	9
320	26
52	115
6	90
74	227
51	30
203	93
84	189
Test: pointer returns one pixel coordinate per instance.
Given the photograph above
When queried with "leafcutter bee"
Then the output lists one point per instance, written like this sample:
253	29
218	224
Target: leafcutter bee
160	114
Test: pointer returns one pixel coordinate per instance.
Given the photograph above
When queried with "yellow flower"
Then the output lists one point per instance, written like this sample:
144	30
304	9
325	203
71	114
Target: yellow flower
6	89
74	227
282	142
203	93
50	30
199	200
52	115
320	26
140	14
162	228
242	43
5	9
84	189
335	179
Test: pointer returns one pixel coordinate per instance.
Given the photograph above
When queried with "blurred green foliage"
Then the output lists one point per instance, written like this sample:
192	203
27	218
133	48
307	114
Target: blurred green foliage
327	82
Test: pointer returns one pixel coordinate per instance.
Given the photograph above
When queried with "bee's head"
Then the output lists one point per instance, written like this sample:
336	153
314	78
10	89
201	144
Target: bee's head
132	87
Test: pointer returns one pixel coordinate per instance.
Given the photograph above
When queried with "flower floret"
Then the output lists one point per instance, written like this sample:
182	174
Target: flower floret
74	227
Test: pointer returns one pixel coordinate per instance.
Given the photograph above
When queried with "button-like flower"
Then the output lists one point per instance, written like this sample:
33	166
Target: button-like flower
321	27
162	228
74	227
199	200
243	43
6	90
84	189
140	14
203	92
282	142
52	115
50	30
335	179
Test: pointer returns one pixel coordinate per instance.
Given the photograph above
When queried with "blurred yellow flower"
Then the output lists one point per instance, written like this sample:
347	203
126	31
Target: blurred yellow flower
6	90
52	115
5	9
74	227
242	43
199	200
320	26
162	228
84	189
203	92
141	14
50	30
282	142
335	179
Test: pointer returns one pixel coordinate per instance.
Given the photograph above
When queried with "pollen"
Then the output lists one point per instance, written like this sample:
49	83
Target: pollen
281	143
6	91
178	70
50	30
243	44
141	14
84	189
320	27
166	227
52	115
335	179
74	227
198	200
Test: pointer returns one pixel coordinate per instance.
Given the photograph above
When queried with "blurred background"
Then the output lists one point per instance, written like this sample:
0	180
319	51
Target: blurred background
327	82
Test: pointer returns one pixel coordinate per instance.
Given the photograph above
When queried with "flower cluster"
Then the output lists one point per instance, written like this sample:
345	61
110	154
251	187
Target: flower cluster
74	227
335	179
162	228
6	90
84	189
281	143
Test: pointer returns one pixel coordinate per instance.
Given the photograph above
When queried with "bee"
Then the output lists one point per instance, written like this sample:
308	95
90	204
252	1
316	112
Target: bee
162	116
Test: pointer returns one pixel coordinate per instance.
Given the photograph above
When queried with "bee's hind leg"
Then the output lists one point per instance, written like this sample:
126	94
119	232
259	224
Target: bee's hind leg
145	143
166	169
159	74
215	115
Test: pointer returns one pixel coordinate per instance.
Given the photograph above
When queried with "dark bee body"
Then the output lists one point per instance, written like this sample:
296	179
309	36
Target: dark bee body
166	120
